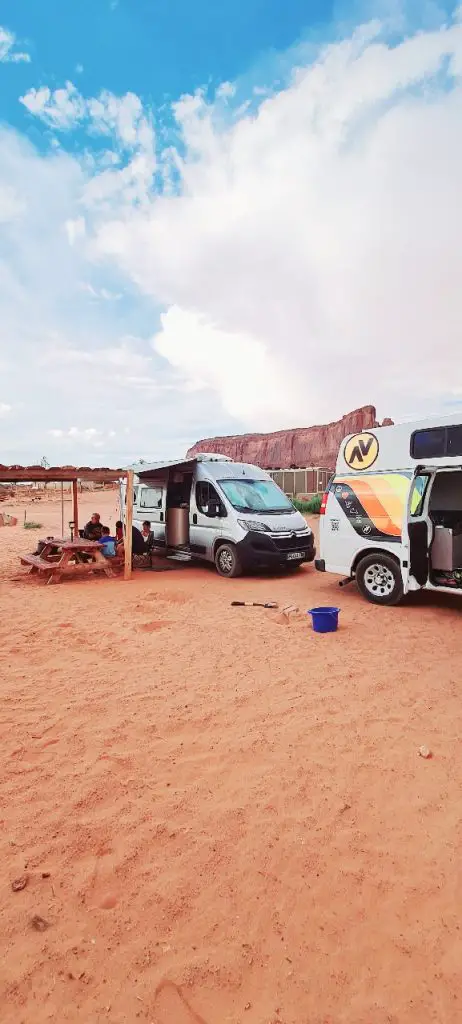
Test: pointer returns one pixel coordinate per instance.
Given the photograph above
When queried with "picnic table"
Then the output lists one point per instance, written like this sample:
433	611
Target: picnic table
61	557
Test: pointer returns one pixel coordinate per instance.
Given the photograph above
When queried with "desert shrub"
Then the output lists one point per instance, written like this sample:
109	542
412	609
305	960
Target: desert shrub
310	507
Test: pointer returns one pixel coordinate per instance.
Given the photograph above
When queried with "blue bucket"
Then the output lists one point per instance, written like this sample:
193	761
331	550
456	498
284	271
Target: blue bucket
325	620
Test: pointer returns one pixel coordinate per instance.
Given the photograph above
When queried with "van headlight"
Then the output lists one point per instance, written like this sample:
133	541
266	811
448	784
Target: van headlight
253	524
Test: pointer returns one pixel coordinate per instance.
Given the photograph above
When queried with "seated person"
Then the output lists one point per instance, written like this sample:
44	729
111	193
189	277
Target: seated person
119	530
147	535
93	529
138	544
107	542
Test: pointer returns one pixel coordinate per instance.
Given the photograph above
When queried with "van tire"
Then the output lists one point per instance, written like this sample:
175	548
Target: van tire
227	561
379	579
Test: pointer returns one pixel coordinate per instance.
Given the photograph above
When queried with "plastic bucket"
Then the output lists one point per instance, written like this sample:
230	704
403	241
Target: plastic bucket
325	620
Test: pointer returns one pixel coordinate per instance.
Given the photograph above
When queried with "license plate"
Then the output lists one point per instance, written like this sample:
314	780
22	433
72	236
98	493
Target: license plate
295	556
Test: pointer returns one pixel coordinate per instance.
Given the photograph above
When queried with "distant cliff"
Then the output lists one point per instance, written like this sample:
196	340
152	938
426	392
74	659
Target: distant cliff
303	446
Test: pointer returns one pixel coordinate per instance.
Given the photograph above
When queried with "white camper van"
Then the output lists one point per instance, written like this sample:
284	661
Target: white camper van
392	514
220	511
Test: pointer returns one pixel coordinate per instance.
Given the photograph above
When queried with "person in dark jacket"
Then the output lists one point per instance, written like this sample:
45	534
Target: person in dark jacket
93	529
138	545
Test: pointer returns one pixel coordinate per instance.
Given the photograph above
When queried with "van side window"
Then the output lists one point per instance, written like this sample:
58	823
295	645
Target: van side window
150	497
419	490
429	444
206	494
437	442
454	445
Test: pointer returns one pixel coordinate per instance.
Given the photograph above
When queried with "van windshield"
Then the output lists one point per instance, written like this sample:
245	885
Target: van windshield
255	496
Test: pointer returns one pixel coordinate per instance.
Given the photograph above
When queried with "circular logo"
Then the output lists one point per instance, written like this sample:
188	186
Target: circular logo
361	451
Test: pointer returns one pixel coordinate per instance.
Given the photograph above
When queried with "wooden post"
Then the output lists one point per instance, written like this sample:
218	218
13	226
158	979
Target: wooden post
75	508
128	525
62	508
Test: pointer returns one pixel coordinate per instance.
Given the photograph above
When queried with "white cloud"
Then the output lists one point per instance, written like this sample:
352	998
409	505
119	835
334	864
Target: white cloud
200	349
75	229
122	120
5	409
304	253
62	108
86	434
73	360
226	91
11	205
8	52
315	243
88	437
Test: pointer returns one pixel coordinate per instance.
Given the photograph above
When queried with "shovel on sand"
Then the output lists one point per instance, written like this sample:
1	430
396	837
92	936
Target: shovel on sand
254	604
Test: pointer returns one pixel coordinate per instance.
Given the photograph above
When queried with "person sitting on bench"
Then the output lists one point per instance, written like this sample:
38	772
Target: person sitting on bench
138	545
147	535
108	543
93	529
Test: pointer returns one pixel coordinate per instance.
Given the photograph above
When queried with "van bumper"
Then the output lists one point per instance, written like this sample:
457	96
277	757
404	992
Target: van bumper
320	565
258	551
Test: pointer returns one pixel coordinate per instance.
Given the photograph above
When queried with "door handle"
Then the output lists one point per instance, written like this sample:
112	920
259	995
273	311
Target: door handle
194	519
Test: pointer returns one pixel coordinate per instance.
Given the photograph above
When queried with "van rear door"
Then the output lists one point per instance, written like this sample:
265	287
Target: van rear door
415	565
150	505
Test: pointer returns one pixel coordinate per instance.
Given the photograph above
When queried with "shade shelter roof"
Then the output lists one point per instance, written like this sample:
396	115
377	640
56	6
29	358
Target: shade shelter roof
51	474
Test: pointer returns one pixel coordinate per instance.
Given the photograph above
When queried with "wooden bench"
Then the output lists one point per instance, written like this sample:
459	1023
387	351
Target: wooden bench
69	561
38	564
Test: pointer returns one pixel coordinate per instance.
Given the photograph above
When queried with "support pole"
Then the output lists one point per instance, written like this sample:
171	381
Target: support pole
75	508
62	508
128	525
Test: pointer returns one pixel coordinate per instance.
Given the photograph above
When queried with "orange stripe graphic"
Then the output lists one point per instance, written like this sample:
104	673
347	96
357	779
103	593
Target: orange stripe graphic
382	501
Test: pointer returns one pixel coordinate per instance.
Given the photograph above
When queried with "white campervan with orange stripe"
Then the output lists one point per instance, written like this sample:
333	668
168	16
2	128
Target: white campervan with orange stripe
392	514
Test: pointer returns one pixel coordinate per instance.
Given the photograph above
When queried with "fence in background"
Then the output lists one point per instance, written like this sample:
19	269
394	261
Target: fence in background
301	483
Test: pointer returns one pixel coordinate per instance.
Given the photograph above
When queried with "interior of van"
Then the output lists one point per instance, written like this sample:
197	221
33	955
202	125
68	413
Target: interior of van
435	528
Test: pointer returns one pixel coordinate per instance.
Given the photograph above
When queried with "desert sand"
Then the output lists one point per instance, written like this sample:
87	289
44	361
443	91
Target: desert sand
222	818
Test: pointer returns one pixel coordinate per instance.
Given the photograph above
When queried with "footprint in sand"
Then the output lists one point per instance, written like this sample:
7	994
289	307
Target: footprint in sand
171	1006
151	627
169	596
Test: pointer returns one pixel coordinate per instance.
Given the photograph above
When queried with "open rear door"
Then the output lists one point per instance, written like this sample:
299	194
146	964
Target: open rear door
419	531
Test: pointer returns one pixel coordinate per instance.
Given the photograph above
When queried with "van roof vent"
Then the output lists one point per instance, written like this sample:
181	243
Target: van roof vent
212	457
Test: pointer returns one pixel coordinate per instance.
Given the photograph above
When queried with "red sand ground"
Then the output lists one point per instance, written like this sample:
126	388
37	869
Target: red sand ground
222	818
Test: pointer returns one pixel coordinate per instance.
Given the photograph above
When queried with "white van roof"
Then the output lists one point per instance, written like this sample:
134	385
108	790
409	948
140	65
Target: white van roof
235	471
385	449
216	466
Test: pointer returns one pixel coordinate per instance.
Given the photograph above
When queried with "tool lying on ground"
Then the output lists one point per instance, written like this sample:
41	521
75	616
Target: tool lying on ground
254	604
290	609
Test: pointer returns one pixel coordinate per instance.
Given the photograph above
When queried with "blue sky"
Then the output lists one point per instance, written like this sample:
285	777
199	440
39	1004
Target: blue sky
210	212
158	48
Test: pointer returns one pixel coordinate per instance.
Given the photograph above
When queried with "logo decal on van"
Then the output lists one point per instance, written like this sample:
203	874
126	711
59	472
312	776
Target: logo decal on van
361	451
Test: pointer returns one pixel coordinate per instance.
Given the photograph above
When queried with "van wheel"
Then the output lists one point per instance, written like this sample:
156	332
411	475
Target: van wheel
227	561
379	579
